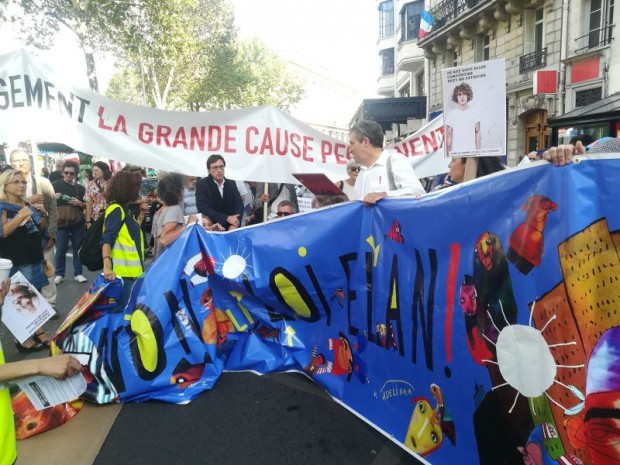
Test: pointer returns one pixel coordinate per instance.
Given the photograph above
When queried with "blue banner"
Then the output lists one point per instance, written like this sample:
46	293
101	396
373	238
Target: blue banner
479	321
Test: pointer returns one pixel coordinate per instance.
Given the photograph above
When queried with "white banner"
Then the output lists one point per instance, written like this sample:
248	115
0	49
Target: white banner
259	144
425	149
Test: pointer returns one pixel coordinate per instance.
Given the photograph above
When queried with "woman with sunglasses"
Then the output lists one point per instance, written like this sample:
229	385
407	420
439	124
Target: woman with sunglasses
20	241
347	186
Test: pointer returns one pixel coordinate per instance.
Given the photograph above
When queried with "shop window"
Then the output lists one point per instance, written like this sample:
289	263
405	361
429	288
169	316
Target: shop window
586	97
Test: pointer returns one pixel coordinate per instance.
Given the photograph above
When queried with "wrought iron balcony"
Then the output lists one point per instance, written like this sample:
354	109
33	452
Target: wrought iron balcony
598	37
533	61
448	10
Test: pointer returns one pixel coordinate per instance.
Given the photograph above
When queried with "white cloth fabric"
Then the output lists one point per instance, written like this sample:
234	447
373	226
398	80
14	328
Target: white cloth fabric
348	190
463	124
374	178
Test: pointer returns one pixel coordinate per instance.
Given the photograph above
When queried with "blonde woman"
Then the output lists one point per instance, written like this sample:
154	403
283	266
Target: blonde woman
21	240
347	186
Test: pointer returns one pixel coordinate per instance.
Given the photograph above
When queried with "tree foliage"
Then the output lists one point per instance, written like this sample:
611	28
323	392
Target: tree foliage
175	54
251	75
42	19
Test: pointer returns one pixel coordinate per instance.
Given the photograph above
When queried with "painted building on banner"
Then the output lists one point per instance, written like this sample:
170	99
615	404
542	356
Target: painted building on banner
561	81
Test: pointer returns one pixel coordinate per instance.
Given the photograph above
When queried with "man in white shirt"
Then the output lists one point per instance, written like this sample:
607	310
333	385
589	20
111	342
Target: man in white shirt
375	181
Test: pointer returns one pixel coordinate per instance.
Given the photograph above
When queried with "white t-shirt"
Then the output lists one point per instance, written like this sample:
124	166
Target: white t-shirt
463	124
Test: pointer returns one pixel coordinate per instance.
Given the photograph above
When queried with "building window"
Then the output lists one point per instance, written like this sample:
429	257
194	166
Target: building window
386	19
387	61
586	97
538	30
405	91
419	84
482	47
451	58
600	24
410	20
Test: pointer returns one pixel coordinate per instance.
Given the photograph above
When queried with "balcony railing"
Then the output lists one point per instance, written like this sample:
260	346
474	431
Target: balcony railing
448	10
533	61
598	37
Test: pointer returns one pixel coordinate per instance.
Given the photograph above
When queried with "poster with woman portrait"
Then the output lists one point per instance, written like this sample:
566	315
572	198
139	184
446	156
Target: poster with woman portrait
24	310
474	102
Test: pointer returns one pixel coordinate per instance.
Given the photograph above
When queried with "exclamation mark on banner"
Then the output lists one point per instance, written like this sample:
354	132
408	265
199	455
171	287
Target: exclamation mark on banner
455	253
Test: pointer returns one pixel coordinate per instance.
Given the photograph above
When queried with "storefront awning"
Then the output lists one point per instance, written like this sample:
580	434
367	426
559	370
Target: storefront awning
603	111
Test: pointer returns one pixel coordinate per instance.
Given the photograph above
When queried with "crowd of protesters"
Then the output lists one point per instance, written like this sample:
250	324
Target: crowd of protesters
144	215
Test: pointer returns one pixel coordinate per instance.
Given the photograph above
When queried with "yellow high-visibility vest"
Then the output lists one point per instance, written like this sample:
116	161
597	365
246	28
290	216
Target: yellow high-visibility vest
8	447
126	261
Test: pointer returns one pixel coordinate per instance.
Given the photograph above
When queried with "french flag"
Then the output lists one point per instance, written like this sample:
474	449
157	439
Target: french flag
426	24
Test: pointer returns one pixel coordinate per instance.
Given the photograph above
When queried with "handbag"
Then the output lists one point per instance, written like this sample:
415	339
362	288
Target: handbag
68	216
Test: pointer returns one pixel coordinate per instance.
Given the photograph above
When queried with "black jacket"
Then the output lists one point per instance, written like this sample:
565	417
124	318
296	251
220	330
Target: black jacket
209	201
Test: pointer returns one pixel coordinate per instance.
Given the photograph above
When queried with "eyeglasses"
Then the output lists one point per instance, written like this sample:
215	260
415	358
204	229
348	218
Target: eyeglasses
69	173
354	169
18	182
284	213
21	161
217	167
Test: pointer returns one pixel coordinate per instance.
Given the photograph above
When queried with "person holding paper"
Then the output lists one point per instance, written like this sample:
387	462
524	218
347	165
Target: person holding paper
20	240
59	367
40	190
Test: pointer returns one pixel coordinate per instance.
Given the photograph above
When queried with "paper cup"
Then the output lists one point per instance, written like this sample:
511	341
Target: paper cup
5	268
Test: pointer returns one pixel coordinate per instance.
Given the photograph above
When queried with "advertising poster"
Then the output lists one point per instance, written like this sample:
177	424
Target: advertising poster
24	310
474	102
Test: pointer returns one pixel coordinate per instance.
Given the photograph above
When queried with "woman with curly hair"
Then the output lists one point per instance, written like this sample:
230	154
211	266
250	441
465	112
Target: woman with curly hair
463	133
95	201
21	241
169	222
122	242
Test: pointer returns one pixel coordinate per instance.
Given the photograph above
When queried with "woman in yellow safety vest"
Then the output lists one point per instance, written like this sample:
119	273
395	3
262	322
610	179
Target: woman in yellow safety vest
122	242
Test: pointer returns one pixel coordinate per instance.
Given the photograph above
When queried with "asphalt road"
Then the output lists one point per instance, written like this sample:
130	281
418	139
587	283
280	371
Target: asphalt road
273	419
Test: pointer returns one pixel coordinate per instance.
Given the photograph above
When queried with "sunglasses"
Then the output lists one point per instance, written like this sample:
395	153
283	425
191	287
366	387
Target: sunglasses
354	169
69	173
18	182
284	213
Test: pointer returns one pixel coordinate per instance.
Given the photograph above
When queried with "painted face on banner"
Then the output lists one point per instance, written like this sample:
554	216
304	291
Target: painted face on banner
424	434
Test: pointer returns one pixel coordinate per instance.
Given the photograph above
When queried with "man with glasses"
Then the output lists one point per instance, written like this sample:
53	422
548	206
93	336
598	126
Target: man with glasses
383	174
40	190
285	208
218	197
71	222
